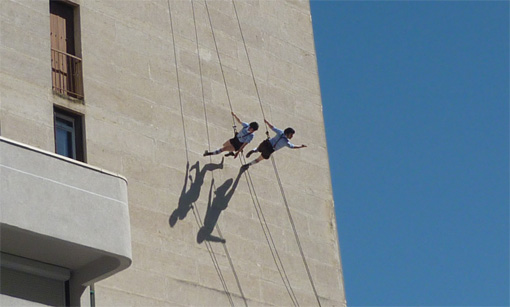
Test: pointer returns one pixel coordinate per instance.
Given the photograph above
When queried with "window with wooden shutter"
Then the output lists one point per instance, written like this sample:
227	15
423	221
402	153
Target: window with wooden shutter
66	66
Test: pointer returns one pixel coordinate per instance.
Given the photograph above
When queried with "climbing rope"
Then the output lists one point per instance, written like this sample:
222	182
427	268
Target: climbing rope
251	68
258	208
221	66
248	176
198	220
269	238
274	164
195	212
209	148
295	230
178	81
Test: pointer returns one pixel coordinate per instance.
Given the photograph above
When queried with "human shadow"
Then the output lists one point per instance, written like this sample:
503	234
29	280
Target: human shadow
191	195
215	207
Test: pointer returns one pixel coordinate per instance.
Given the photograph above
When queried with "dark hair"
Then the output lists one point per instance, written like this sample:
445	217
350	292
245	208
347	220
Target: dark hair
289	131
254	126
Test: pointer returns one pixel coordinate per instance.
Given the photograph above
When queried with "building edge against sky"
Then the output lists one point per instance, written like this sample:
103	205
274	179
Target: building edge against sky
92	89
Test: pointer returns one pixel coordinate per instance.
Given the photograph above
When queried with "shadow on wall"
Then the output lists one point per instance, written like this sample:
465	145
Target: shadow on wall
222	197
188	197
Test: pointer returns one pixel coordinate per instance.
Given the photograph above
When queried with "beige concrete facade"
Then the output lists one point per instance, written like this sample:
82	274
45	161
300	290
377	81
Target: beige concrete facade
135	126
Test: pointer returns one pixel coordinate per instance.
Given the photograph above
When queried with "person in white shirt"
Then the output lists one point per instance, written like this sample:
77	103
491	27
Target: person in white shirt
239	141
268	146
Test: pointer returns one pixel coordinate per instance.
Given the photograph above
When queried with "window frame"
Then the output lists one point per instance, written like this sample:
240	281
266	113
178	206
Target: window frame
77	132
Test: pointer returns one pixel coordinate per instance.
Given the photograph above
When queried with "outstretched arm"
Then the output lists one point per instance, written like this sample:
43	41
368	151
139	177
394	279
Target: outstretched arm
237	118
297	147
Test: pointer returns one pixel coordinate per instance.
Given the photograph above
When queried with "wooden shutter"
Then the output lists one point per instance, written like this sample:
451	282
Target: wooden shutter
59	59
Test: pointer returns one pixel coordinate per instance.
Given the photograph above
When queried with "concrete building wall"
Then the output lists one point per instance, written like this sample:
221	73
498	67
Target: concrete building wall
135	126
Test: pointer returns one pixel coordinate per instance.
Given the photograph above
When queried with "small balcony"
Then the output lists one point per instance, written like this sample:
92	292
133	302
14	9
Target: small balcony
66	74
59	212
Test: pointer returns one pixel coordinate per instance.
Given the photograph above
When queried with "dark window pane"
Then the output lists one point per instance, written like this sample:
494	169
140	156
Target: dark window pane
65	136
64	142
65	124
69	134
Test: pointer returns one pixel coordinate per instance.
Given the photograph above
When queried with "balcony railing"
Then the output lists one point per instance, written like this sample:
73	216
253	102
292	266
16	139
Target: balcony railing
66	74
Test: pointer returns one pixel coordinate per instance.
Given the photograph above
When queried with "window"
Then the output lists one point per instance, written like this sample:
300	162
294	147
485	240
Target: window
69	138
66	65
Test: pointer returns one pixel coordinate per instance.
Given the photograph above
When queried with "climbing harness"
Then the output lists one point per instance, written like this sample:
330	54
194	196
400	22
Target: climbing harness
242	136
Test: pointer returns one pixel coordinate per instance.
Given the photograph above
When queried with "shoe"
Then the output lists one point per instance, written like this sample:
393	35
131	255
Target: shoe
206	153
249	153
229	154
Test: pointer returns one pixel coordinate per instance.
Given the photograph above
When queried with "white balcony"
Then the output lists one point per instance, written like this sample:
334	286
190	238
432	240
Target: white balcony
63	213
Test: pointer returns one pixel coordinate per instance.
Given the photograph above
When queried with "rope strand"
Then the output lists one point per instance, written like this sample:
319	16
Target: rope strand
209	147
264	225
221	66
295	231
269	240
178	80
274	164
251	68
195	211
210	249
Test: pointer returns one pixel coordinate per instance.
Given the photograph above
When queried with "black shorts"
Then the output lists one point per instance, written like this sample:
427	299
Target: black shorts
266	149
236	143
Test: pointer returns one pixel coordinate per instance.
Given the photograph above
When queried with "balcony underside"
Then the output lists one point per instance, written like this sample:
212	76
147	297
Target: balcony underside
62	212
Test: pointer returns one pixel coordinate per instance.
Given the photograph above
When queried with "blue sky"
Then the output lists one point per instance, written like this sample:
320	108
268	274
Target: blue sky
416	105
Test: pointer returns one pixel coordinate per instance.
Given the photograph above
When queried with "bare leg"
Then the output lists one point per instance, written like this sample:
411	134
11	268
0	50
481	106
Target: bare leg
226	147
246	166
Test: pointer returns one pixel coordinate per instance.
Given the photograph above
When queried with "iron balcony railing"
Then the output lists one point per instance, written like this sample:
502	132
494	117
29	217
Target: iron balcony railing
66	74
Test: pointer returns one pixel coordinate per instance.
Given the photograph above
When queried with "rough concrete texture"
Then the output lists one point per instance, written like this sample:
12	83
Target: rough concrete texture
135	126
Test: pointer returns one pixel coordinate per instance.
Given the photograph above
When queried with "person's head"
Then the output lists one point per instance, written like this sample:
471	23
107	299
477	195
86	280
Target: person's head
254	126
289	132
